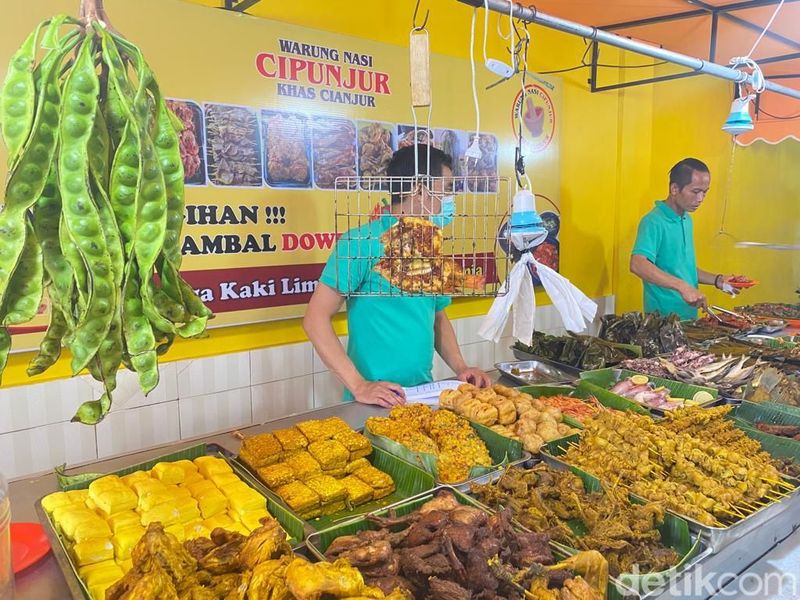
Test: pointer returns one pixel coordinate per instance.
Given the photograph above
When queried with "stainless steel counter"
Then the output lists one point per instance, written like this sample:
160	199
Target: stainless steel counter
770	555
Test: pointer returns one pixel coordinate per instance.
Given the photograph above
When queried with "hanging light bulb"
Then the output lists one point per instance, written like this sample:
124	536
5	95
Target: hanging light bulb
739	120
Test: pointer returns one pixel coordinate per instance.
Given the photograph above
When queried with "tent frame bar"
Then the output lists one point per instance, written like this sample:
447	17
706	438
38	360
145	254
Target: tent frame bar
600	36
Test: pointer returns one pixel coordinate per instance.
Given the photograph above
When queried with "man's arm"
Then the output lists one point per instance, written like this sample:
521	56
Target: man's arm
646	270
318	325
707	278
446	345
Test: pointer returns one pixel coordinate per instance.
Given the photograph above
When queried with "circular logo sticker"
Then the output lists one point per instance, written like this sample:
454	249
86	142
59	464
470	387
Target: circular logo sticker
538	117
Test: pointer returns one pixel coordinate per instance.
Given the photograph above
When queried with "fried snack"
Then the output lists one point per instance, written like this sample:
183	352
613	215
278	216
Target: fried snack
330	454
291	439
354	466
260	450
333	508
314	430
298	496
357	444
304	465
276	475
380	482
327	488
506	412
336	425
358	492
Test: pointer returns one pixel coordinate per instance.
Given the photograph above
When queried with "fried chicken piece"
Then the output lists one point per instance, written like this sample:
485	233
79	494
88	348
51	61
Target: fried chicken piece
232	586
199	547
348	542
369	555
411	563
135	585
441	589
468	515
311	582
532	548
166	550
444	501
225	558
389	584
578	589
462	536
388	569
264	543
267	580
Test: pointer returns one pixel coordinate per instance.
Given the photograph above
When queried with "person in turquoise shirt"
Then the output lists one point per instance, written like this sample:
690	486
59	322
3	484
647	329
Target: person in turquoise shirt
391	337
663	255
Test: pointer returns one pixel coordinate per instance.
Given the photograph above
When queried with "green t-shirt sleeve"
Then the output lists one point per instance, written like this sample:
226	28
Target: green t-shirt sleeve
347	266
442	302
648	240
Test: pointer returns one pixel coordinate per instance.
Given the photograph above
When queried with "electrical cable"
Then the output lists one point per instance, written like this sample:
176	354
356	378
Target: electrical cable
778	117
475	146
763	33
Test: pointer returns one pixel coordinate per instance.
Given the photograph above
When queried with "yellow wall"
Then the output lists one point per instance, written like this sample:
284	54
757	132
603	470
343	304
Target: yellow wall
616	149
588	161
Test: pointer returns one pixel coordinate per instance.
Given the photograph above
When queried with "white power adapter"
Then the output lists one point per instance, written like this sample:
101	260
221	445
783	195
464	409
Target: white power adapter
499	68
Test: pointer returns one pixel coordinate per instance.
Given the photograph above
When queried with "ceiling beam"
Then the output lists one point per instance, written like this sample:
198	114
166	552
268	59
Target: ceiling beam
725	13
240	5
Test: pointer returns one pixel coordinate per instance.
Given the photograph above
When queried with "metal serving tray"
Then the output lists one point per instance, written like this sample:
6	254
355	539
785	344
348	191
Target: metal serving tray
717	538
522	355
535	372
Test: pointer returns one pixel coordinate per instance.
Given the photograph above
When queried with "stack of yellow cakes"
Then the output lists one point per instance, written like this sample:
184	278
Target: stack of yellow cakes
102	524
317	467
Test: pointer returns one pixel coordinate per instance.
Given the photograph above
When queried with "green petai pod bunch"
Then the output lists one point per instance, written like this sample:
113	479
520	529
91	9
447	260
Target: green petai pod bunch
93	207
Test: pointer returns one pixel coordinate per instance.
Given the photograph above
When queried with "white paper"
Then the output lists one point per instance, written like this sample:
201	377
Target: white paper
428	393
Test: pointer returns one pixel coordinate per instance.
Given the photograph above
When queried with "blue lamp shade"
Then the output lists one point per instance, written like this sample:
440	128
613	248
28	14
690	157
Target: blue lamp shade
739	119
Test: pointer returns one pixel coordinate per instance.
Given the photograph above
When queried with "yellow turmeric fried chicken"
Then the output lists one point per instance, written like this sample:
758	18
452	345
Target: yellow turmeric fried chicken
264	543
308	581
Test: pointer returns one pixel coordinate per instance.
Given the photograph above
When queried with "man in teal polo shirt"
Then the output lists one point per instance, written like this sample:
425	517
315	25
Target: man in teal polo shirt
391	337
663	255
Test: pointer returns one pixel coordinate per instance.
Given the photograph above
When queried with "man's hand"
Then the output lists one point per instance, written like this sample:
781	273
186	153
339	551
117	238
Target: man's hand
726	286
692	296
474	376
382	393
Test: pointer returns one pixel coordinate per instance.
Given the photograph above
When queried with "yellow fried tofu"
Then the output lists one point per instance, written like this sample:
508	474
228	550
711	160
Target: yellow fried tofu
125	565
327	488
310	513
276	475
212	503
187	466
114	500
335	473
304	466
125	539
93	551
54	500
123	519
375	478
69	517
98	592
198	488
224	479
238	528
211	464
91	529
260	450
192	477
103	483
189	510
252	518
358	445
108	572
333	508
235	488
135	476
195	529
314	430
178	530
330	454
169	494
237	518
336	425
78	496
358	492
357	464
168	473
249	500
298	496
220	520
147	485
83	572
166	513
290	439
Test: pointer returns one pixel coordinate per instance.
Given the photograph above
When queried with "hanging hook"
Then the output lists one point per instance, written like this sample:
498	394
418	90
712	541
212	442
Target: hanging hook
414	25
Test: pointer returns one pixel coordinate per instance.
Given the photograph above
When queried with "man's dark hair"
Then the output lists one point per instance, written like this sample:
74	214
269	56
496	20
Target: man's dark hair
403	165
681	173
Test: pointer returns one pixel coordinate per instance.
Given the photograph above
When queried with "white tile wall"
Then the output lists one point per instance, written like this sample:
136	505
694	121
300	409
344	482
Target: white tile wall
213	374
136	428
212	413
318	365
281	398
42	448
197	397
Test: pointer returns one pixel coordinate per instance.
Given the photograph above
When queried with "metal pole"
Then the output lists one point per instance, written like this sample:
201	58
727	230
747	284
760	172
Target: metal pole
593	33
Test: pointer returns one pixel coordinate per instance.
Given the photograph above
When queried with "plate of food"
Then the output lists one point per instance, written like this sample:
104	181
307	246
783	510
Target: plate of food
740	282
